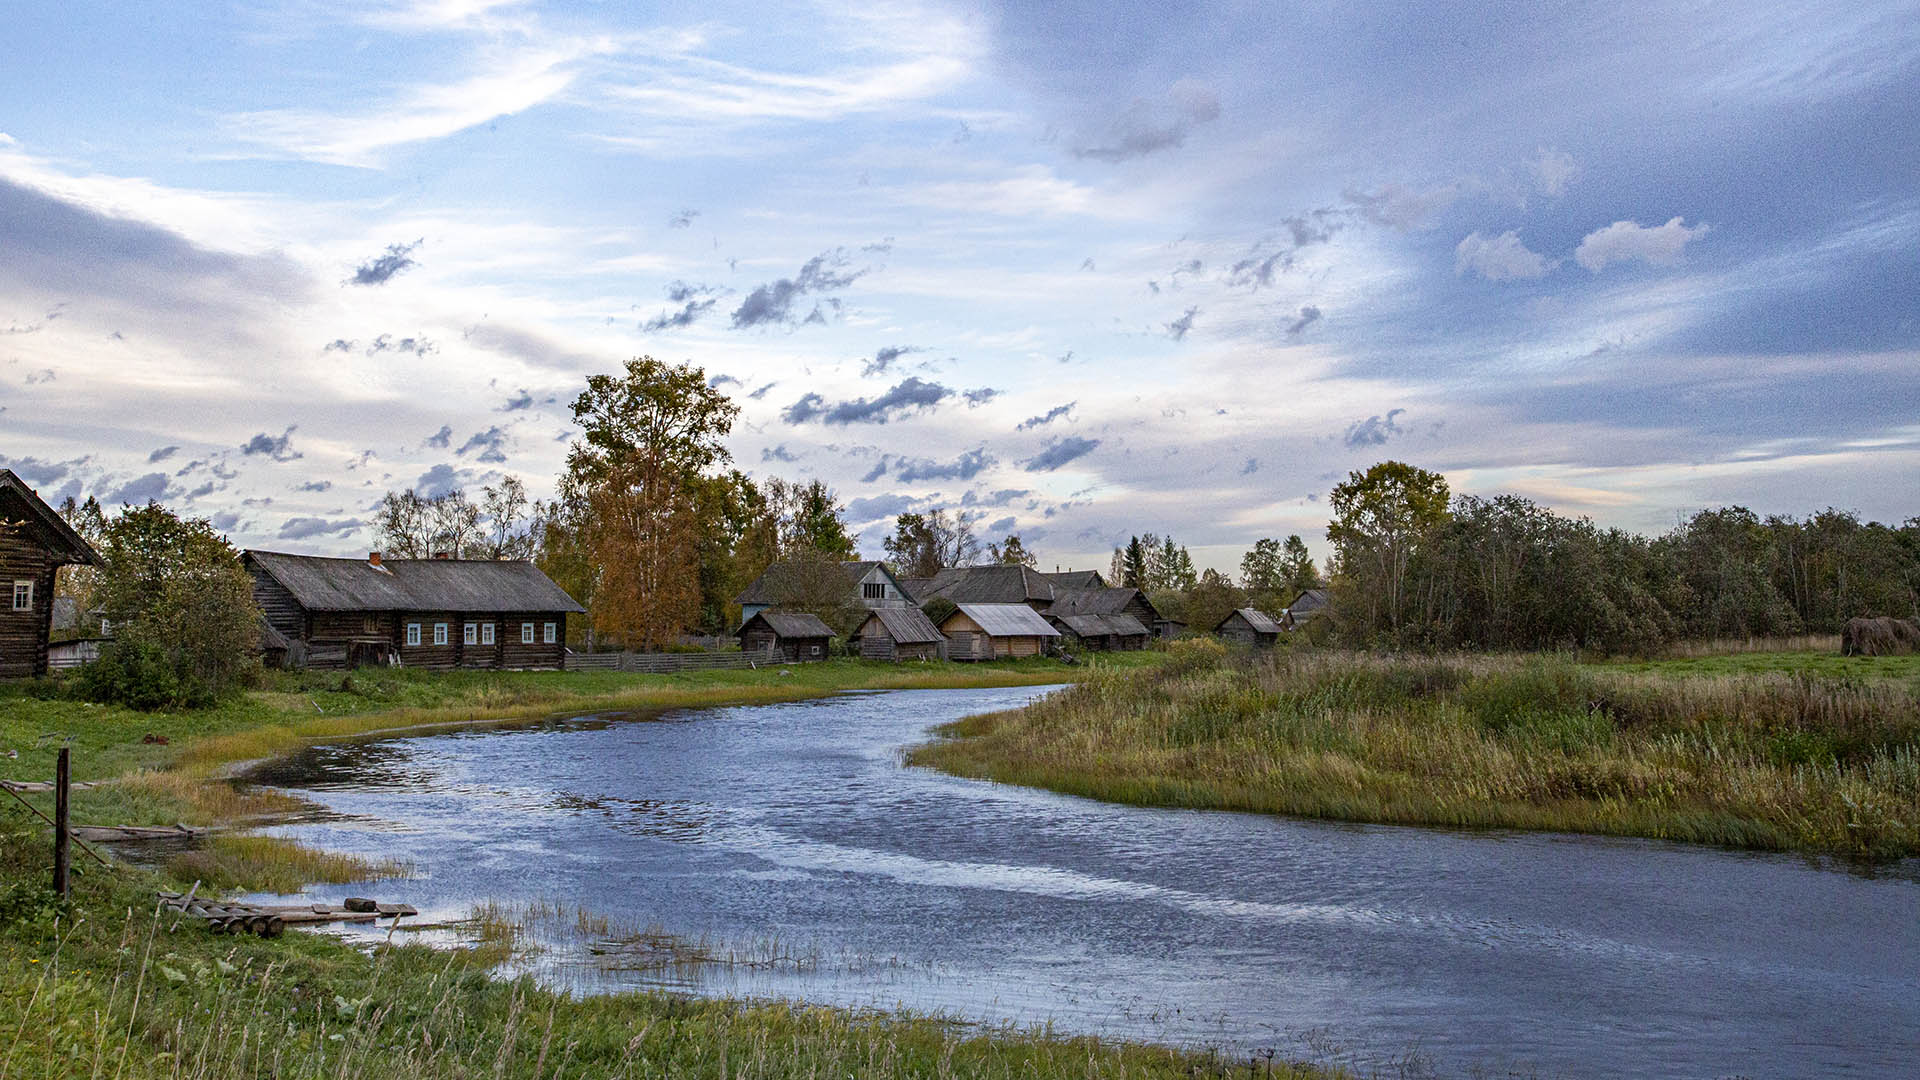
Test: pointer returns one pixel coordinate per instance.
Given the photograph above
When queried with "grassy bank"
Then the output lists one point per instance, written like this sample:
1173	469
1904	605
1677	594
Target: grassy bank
103	988
1763	758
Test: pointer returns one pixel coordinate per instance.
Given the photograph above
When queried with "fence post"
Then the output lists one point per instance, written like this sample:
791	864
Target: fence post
61	775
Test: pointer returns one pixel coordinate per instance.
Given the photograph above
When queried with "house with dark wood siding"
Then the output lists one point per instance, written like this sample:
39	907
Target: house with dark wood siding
899	634
35	542
432	613
1249	626
798	637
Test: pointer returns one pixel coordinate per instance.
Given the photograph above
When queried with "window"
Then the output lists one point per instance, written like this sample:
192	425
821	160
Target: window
413	633
814	649
472	635
551	636
439	633
370	625
526	633
23	596
874	590
486	633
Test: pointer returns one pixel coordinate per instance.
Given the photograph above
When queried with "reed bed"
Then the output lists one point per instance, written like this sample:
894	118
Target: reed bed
1770	761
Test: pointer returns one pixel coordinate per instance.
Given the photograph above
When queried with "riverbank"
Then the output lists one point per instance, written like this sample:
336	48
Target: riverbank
1763	758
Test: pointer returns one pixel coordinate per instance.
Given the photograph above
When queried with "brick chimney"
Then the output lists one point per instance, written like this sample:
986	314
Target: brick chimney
373	558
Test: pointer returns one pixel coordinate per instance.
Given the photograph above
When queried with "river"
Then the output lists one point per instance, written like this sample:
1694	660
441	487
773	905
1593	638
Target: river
793	830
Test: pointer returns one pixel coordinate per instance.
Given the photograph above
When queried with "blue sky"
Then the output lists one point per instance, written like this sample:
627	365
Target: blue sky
1084	269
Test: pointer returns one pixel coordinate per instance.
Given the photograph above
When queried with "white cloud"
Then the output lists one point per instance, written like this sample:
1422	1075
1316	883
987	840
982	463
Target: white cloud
1623	241
1499	258
1552	171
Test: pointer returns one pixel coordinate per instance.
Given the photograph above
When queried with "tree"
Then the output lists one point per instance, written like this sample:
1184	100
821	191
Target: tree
511	533
1260	567
400	526
819	523
181	607
82	582
1011	552
453	524
1297	572
924	544
1379	518
648	438
1133	565
411	526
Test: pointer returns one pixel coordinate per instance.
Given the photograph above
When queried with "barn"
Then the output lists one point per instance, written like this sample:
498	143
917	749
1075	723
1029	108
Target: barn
1249	626
899	634
995	632
795	637
429	613
1104	633
35	542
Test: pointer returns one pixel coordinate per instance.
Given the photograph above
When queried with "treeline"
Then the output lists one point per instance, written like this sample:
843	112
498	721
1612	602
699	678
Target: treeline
1414	566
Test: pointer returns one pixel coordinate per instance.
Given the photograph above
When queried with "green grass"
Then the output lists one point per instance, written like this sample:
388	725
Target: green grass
101	987
1825	664
1786	757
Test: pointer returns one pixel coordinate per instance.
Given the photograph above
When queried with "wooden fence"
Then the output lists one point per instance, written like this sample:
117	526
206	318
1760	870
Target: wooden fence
669	663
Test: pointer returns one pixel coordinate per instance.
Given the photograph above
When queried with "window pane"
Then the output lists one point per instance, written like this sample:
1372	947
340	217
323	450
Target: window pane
439	633
550	634
526	633
413	633
472	634
486	634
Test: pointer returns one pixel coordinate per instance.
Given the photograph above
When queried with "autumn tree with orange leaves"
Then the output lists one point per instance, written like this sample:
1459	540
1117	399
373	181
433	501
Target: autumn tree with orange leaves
649	439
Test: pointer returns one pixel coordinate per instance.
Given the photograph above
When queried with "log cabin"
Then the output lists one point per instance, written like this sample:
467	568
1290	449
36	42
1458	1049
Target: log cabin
1249	626
796	637
438	613
900	634
996	632
35	542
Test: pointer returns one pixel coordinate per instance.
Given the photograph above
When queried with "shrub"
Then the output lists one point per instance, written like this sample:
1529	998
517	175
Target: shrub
140	676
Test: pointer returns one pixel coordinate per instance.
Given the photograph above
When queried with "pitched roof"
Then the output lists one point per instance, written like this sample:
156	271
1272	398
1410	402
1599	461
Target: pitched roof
1088	626
1309	601
789	624
323	584
766	589
1260	621
1100	601
65	542
988	585
1008	620
905	625
1076	579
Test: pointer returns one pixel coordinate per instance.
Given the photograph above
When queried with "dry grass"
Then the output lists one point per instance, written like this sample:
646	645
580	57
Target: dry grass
1763	761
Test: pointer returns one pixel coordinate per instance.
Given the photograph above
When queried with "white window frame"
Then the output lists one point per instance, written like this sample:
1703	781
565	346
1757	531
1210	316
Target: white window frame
413	634
486	633
526	633
23	596
550	633
470	634
439	633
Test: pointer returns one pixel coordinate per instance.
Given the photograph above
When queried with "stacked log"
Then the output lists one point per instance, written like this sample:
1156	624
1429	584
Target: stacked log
272	920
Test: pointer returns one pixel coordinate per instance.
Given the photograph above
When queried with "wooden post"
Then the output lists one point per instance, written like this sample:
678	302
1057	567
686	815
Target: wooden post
61	775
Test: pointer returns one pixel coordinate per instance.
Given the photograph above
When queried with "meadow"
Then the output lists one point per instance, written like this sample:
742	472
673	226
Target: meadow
1774	751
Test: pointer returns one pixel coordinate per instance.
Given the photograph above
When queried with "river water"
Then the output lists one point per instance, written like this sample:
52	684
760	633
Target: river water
793	830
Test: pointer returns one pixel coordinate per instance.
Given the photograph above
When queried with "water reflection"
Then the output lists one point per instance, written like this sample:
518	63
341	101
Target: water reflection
795	824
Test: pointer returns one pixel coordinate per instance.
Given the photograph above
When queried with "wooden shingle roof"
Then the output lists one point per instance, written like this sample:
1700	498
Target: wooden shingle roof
1260	621
789	624
905	625
454	585
1089	626
65	544
988	585
767	588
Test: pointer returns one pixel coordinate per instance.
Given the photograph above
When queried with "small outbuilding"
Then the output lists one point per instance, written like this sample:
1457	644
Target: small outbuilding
797	638
1249	626
35	542
995	632
900	634
1104	633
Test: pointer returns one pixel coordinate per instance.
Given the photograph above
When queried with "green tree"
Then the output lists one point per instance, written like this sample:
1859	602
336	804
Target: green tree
1011	552
924	544
181	607
1260	567
1133	566
820	523
1379	519
649	437
1297	572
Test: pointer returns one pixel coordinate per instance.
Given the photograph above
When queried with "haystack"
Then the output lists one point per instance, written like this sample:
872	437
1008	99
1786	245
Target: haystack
1879	637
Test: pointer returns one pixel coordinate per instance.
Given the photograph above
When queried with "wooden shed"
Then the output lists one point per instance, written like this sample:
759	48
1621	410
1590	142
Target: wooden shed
797	638
900	634
1103	633
35	542
995	632
1249	626
430	613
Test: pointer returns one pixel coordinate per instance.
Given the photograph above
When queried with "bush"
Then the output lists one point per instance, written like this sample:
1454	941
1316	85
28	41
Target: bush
139	676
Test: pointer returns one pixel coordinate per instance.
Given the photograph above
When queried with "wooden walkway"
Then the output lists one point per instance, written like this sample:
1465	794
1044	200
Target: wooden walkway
272	920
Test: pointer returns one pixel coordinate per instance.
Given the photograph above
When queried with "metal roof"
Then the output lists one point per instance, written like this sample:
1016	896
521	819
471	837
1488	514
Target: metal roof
1008	620
905	625
454	585
790	624
1260	621
1089	626
76	550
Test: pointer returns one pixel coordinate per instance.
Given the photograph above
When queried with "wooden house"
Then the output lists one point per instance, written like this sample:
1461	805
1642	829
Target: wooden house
900	634
35	542
1310	604
1102	600
998	584
1249	626
996	631
430	613
790	636
793	583
1102	633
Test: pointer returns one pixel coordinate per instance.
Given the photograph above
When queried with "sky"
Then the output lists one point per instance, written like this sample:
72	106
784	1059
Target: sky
1081	269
